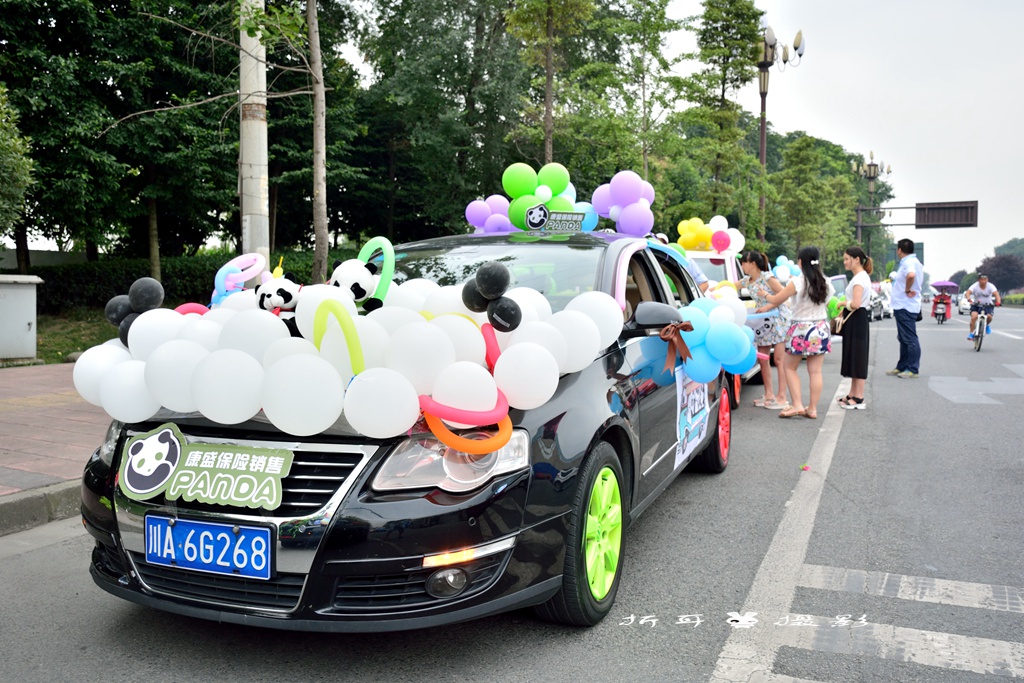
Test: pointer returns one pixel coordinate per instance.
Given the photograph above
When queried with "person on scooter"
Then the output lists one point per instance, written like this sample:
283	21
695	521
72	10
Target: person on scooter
942	298
981	295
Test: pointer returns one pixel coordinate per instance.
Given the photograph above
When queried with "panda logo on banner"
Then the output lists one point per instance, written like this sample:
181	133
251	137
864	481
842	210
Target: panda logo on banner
541	218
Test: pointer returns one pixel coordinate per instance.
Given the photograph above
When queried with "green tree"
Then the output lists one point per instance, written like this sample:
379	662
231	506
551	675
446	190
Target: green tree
16	170
1014	246
1005	271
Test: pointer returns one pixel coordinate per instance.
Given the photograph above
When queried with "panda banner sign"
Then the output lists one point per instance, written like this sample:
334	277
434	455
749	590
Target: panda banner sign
163	462
540	218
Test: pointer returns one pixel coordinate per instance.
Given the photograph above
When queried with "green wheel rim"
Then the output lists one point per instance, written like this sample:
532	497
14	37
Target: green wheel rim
603	535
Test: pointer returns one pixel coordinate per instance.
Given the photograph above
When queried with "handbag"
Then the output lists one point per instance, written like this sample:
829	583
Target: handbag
835	326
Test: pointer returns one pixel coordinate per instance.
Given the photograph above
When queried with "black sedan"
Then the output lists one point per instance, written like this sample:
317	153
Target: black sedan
402	533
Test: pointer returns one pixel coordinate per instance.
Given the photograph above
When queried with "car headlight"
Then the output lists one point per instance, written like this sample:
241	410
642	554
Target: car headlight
425	462
109	446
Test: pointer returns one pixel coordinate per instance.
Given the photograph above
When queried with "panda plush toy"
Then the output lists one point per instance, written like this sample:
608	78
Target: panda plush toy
280	295
359	280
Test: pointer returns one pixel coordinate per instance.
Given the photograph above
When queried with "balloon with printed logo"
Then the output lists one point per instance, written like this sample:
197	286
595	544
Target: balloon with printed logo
626	187
701	366
518	180
381	403
301	395
637	219
477	212
590	215
602	200
518	208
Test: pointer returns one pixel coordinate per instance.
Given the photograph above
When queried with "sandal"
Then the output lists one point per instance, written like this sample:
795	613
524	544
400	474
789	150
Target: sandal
760	402
811	414
845	400
793	412
854	404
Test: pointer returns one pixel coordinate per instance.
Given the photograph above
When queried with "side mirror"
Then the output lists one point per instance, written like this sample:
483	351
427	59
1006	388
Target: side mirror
650	315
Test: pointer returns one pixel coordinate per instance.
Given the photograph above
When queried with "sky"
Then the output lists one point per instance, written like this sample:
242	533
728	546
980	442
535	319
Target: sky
933	87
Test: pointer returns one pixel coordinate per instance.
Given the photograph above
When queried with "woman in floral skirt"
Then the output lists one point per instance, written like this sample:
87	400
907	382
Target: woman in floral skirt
770	332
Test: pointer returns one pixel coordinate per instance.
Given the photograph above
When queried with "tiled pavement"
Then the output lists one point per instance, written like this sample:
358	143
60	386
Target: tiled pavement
47	433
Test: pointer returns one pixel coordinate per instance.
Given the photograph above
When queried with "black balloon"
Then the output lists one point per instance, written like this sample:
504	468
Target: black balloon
117	308
504	314
472	298
145	294
492	279
122	329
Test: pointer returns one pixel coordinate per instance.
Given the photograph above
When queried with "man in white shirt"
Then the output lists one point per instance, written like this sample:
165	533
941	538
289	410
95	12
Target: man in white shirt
983	296
906	306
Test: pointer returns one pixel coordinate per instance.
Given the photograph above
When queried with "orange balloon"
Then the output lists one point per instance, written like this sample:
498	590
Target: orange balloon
471	446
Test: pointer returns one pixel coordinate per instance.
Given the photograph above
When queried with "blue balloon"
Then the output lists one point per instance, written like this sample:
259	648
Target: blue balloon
590	219
749	331
727	343
569	192
701	366
744	365
700	322
780	260
705	304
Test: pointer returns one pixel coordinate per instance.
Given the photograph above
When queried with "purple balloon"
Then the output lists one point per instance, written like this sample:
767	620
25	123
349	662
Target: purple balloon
648	192
627	187
497	223
637	219
498	203
477	212
602	199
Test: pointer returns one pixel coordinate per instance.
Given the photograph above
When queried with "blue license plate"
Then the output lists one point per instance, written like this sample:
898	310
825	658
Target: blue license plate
209	547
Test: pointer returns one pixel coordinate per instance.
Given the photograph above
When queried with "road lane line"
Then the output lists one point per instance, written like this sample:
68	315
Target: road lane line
915	646
917	588
750	651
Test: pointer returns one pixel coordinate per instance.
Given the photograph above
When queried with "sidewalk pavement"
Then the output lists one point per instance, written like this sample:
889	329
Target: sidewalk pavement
47	433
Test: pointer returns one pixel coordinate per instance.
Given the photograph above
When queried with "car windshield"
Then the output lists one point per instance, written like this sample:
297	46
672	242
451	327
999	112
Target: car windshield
713	268
557	271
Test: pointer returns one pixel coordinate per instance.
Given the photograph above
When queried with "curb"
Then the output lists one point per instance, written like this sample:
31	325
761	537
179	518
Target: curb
28	509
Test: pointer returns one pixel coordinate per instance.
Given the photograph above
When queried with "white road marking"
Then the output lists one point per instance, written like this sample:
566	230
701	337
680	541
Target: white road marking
919	588
916	646
749	652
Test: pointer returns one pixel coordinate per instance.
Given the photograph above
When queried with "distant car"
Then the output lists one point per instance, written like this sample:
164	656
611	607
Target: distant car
963	306
718	265
875	307
838	283
886	303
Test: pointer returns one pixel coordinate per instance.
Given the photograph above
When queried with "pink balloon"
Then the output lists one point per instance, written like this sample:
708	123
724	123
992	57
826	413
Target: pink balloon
627	188
185	309
498	203
602	199
477	212
648	192
497	223
636	219
720	240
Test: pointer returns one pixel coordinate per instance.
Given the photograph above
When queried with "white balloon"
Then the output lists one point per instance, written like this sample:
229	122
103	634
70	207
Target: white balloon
241	301
151	329
546	335
169	373
226	386
391	318
302	395
445	300
93	365
116	341
220	315
419	351
603	310
736	240
124	394
252	332
202	331
334	350
465	386
738	309
373	337
312	297
381	403
282	348
721	314
582	339
543	193
466	337
399	297
718	223
527	374
529	298
420	286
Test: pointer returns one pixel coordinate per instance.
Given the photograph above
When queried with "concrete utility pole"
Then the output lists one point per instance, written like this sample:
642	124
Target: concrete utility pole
253	174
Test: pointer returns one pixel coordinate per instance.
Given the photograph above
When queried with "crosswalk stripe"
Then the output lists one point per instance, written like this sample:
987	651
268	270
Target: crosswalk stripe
919	588
915	646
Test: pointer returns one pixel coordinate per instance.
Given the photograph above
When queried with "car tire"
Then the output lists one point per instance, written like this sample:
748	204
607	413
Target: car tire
594	553
715	456
737	389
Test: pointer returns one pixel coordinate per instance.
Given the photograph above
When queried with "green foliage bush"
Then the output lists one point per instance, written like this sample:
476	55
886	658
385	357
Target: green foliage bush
1014	299
185	278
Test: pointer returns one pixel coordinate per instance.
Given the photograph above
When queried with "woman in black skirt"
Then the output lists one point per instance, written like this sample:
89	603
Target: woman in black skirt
855	329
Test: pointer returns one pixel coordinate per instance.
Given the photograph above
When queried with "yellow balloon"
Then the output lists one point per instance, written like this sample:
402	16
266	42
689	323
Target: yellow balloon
696	222
704	235
688	241
726	283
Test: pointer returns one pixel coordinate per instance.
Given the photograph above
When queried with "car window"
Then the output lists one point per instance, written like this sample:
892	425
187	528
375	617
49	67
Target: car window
680	283
713	268
640	285
556	271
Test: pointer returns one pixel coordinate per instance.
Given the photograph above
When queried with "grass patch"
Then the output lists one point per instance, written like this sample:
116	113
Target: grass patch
74	330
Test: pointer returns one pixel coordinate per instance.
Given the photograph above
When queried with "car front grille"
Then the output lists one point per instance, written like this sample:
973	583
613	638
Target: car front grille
397	592
280	593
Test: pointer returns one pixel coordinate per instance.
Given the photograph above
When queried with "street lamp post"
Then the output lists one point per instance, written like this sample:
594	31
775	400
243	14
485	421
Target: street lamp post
870	171
769	49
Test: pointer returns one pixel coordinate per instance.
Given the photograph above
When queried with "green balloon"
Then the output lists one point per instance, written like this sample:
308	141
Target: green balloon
554	176
519	180
678	248
518	208
833	307
560	204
